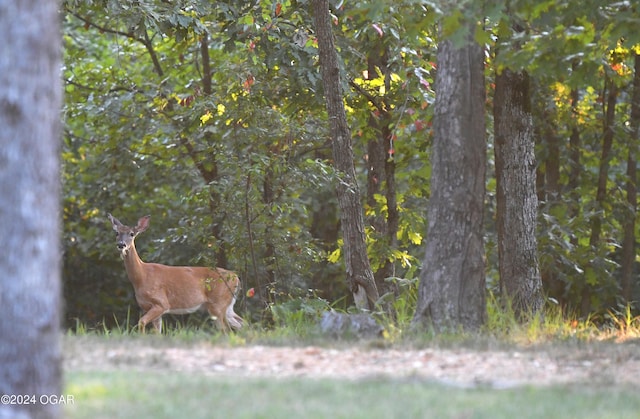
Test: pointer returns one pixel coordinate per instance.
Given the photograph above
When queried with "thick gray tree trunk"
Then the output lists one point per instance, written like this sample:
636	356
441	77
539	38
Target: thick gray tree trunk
451	294
30	99
359	274
520	280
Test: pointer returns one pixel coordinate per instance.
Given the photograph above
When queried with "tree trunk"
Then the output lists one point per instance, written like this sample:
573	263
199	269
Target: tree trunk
359	275
209	170
207	166
574	155
451	292
517	202
548	184
629	242
269	258
603	176
552	160
573	183
30	100
605	158
381	167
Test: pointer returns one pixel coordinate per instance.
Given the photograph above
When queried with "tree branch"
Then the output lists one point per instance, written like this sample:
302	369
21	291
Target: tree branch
206	66
144	41
154	57
104	29
207	175
375	101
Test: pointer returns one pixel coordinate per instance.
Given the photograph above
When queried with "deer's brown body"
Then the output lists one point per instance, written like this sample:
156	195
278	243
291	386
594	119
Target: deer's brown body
162	289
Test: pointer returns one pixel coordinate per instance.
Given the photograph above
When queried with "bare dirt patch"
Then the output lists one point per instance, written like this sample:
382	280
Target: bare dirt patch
605	363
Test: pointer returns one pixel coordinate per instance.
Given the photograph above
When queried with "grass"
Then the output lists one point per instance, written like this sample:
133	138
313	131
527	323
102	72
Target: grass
120	394
132	392
296	323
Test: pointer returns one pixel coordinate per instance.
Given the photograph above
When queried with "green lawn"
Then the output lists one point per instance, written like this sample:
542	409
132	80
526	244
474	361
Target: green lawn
131	394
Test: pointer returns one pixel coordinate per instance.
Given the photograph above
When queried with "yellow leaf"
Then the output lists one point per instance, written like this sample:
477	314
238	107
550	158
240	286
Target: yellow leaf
416	238
204	118
334	256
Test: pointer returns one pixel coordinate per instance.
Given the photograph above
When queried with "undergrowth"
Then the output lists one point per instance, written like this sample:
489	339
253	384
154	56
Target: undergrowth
295	321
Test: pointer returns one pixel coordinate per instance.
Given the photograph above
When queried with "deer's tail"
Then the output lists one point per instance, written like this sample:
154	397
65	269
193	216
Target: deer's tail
235	321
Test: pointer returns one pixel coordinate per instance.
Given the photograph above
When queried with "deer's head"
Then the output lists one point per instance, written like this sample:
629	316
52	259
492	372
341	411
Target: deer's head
125	235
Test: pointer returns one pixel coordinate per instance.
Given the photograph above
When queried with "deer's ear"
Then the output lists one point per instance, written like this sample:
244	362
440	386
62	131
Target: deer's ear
143	223
115	223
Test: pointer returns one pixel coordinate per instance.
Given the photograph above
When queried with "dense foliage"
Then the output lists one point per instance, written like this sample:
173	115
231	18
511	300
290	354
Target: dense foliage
209	117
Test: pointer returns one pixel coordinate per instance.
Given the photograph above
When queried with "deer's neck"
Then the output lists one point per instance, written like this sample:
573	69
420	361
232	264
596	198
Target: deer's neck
134	266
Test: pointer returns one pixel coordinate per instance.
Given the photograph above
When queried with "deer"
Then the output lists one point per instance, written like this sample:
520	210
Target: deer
163	289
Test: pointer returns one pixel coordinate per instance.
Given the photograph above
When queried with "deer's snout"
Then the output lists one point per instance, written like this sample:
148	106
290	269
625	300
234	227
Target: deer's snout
121	245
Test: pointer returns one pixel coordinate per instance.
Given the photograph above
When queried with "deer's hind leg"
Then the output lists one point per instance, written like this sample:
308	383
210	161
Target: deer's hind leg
219	315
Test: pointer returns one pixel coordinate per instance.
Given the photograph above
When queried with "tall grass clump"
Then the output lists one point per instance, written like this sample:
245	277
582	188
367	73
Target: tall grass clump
552	324
623	323
298	317
396	309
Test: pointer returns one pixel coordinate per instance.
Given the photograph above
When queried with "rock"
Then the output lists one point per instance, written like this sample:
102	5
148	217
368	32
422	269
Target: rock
342	325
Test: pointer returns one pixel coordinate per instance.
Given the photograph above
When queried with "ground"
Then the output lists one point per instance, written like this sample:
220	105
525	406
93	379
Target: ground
605	363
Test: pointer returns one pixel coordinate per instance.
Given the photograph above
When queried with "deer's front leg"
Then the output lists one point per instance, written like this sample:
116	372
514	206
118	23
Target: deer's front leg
153	315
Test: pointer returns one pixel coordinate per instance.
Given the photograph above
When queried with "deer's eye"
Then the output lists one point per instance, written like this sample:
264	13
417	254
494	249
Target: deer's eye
132	234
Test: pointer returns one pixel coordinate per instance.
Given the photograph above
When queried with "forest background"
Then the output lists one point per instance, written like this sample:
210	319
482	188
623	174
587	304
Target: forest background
210	117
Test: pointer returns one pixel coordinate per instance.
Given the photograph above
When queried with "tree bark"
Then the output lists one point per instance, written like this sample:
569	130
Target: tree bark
359	275
629	241
381	165
574	203
574	155
517	202
451	293
548	180
605	158
208	165
30	100
601	192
